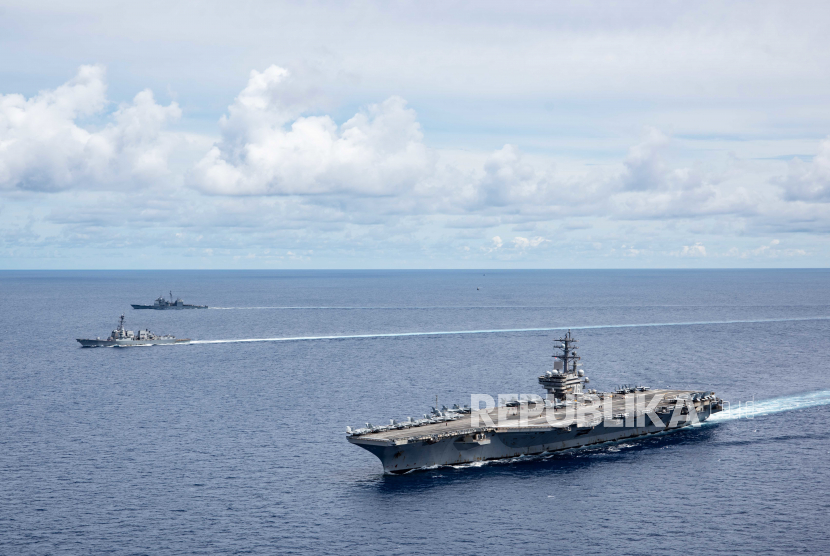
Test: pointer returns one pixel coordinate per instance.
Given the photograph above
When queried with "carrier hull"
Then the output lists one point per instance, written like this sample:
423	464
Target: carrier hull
461	442
502	445
571	418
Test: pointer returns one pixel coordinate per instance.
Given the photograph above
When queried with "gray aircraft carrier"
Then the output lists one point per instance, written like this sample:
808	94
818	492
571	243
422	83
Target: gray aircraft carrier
571	417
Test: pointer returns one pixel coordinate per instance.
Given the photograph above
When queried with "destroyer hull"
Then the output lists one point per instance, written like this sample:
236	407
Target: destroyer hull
170	308
131	343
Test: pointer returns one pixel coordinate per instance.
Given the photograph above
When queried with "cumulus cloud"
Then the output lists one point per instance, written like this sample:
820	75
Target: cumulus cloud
650	188
696	250
379	151
524	243
770	250
508	179
43	148
281	170
809	181
519	244
764	249
496	244
269	148
644	168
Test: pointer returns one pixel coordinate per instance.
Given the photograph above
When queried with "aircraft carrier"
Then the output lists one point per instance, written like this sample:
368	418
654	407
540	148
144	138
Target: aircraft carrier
161	304
571	417
120	337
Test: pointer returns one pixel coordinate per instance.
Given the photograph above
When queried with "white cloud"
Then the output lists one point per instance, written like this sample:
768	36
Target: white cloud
43	148
696	250
772	250
651	188
508	180
524	243
809	181
644	169
379	151
285	176
497	244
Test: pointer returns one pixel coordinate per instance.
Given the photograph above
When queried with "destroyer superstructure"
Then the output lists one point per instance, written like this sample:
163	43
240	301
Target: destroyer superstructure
161	303
120	337
571	417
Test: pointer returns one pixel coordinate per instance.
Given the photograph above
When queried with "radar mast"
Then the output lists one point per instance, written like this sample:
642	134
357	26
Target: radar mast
565	380
568	355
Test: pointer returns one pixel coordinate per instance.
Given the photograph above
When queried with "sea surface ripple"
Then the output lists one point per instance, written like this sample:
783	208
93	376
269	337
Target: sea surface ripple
237	445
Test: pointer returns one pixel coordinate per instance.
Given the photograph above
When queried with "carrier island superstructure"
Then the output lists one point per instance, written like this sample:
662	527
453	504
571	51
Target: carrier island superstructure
572	416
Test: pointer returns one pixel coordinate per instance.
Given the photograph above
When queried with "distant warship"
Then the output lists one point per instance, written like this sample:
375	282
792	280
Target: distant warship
162	303
128	338
571	417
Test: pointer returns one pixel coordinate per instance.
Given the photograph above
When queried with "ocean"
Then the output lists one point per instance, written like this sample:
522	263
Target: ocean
238	447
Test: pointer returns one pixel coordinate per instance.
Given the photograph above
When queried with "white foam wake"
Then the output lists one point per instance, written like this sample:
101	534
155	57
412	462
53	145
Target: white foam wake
454	307
773	405
501	330
382	308
761	407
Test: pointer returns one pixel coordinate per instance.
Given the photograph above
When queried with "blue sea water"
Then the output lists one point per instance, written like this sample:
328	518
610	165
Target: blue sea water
239	448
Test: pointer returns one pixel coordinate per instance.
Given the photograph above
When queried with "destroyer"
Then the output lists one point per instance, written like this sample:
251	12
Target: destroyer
128	338
571	417
162	303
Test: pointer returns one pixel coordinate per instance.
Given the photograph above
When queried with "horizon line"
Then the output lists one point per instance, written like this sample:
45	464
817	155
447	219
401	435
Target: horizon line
396	269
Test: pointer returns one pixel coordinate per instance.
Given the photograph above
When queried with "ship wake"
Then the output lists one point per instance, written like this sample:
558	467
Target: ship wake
757	409
387	308
773	405
505	330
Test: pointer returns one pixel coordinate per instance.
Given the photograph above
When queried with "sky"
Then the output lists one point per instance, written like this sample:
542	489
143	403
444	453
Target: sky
664	134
